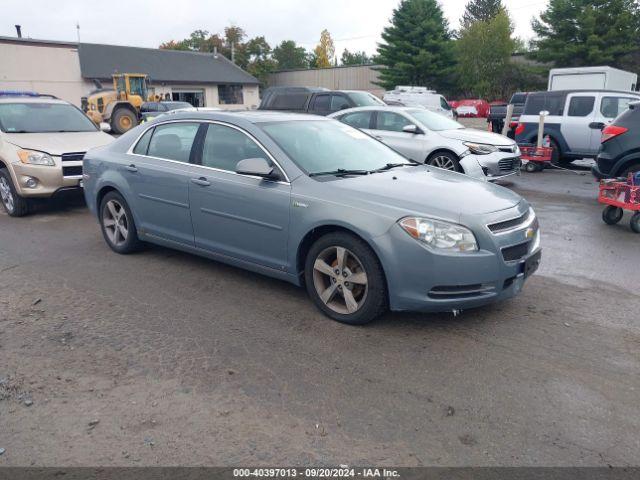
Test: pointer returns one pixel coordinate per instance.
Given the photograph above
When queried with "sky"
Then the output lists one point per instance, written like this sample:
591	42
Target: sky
354	24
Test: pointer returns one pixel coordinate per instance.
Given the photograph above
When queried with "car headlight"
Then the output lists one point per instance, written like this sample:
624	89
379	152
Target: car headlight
480	148
440	235
36	158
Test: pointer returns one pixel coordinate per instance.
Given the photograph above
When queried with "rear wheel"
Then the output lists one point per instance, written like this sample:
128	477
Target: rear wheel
118	226
631	169
556	156
14	204
123	120
532	167
612	215
446	161
345	280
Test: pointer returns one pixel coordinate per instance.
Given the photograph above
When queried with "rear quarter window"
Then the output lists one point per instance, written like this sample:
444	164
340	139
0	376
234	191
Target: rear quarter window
551	102
289	101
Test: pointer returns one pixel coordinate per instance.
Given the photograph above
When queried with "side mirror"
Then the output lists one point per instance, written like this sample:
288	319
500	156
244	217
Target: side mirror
413	129
596	125
105	127
256	166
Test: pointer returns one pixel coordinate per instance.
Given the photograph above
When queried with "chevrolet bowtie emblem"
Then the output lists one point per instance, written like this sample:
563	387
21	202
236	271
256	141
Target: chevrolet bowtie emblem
529	233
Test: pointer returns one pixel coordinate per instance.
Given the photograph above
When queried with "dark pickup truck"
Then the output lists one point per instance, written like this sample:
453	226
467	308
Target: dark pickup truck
318	101
498	113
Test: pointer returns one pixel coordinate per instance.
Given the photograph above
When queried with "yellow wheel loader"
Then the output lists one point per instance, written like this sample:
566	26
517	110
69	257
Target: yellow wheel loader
120	106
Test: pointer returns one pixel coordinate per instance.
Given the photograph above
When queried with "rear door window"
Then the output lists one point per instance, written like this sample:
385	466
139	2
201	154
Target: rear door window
611	107
358	119
339	102
321	103
580	106
173	141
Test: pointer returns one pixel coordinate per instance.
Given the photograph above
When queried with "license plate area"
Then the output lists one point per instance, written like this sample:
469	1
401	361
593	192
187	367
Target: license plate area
531	264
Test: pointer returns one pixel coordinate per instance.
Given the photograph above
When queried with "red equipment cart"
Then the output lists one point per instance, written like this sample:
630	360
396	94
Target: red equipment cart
620	195
535	157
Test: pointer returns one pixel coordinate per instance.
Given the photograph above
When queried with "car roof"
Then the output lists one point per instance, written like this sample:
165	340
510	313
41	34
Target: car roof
584	90
252	116
28	99
390	108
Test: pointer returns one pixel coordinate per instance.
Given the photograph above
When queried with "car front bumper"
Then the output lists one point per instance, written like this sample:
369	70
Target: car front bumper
421	279
49	179
498	165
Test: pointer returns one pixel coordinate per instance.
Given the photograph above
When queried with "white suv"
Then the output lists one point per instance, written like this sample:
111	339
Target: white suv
42	143
575	120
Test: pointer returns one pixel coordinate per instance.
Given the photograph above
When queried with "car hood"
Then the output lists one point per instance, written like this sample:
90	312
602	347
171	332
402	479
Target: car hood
477	136
59	143
426	191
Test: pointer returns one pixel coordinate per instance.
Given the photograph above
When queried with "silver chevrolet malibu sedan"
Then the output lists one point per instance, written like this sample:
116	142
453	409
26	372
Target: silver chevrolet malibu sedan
317	203
431	138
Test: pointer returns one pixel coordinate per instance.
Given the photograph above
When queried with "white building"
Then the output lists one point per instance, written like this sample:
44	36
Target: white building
67	70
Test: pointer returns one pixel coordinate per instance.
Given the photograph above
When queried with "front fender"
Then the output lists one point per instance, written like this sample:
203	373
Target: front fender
115	180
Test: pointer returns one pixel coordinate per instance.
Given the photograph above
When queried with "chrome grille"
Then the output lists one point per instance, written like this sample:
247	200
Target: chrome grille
508	164
508	149
512	224
72	164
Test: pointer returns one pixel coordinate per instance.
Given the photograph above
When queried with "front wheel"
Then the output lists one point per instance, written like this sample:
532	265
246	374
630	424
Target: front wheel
345	279
14	204
118	226
612	215
446	161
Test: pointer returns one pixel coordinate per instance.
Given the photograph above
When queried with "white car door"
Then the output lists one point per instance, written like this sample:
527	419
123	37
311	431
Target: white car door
388	129
579	112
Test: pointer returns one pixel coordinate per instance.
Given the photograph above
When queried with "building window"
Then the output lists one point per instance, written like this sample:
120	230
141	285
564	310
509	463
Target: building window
230	95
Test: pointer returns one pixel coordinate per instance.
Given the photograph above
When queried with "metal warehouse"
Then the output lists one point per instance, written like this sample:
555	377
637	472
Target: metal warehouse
67	70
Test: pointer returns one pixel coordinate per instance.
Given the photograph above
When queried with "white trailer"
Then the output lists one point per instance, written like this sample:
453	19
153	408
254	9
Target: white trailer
592	78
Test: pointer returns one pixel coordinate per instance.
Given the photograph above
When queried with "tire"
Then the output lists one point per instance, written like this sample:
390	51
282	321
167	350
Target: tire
123	120
635	222
323	274
612	215
117	224
532	167
14	204
446	161
556	156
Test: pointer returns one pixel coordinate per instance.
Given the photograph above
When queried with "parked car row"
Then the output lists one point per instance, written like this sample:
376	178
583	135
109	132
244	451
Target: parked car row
302	198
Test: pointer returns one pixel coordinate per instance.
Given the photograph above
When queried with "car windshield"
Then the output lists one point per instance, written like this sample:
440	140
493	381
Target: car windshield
326	146
32	117
365	99
434	121
177	105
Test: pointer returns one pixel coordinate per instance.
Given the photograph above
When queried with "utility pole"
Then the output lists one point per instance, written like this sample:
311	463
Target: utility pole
78	30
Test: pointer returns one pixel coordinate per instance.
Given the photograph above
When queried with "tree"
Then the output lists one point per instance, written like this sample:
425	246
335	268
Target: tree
480	10
573	33
484	51
259	61
290	56
356	58
417	48
325	50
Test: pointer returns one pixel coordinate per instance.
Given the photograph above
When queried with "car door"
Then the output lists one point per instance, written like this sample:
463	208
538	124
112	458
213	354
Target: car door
388	129
158	173
579	113
240	216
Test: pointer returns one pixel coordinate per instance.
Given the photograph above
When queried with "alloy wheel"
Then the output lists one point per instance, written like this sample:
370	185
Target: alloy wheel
442	161
115	222
340	280
6	194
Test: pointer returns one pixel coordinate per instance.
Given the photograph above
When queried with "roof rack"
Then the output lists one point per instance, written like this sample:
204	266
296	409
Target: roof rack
25	93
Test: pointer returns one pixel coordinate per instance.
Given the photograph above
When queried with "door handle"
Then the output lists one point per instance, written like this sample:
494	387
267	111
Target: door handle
203	182
131	168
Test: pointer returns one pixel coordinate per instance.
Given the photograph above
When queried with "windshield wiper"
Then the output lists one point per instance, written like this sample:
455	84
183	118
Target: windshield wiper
340	171
389	166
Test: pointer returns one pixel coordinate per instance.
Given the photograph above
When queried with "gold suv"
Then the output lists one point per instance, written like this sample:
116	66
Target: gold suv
42	143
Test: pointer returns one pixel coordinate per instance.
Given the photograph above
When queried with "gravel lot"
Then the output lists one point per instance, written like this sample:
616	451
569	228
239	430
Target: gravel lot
163	358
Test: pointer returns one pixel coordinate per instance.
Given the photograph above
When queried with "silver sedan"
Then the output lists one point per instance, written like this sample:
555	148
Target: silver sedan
434	139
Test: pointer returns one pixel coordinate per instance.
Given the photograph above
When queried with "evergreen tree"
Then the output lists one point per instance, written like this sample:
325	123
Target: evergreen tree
290	56
480	10
417	48
355	58
573	33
